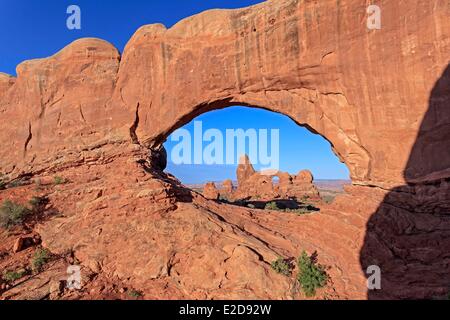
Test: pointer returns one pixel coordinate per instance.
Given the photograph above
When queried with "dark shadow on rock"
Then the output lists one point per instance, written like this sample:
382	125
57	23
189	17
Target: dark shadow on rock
408	236
155	165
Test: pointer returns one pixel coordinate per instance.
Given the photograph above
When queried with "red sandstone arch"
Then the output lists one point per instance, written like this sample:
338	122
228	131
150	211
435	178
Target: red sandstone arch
155	142
268	55
314	61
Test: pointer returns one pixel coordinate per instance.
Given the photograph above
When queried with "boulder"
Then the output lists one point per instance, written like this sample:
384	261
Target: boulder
23	243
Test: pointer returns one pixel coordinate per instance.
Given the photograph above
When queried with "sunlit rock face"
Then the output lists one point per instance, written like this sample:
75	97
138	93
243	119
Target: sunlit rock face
268	185
380	97
328	72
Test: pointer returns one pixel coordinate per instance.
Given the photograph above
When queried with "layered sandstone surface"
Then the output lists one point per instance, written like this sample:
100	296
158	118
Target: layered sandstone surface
316	62
380	97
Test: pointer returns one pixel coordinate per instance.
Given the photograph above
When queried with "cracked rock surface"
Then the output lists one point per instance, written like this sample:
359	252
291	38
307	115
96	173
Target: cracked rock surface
380	97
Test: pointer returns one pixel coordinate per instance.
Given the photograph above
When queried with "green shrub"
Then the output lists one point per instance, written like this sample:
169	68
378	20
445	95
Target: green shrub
11	276
134	294
59	180
282	266
40	258
271	206
251	206
12	214
311	275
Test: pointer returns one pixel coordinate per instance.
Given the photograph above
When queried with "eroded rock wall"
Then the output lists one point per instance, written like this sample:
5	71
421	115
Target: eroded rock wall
380	97
316	62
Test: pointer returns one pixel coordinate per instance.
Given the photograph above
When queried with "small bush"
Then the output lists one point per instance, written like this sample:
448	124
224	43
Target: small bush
40	258
282	266
251	206
11	276
271	206
12	214
311	275
59	180
134	294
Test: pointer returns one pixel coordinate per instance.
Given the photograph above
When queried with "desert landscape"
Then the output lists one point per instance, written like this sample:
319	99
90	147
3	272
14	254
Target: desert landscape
82	163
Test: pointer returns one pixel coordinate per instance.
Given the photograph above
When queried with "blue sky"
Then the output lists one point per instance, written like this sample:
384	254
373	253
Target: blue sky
298	148
36	29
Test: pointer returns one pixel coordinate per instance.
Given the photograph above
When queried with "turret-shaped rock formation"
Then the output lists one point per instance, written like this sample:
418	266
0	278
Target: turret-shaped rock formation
245	169
260	185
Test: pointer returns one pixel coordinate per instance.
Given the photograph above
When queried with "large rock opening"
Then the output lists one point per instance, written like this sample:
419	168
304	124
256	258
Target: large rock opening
93	114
